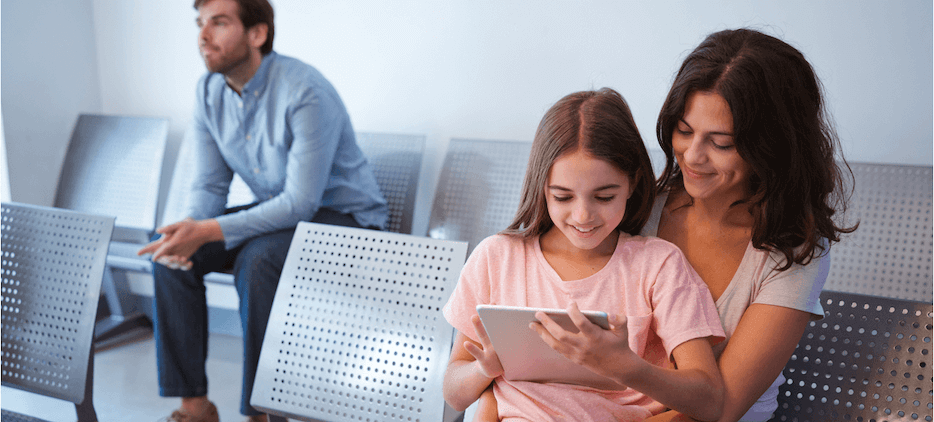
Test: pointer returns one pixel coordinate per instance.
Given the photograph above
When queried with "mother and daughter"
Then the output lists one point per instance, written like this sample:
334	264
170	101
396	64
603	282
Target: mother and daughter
709	274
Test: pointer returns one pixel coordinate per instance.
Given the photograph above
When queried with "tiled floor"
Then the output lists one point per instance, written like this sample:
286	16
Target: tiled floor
125	387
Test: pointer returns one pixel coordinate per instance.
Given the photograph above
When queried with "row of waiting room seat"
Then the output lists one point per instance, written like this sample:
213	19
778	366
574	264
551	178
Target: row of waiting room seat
870	358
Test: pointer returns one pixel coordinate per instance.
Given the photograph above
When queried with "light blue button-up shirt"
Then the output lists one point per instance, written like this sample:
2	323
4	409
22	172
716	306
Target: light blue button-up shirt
289	138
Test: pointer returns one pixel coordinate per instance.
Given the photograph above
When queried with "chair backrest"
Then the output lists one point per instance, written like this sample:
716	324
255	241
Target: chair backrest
356	330
397	161
53	264
113	167
478	190
869	359
889	255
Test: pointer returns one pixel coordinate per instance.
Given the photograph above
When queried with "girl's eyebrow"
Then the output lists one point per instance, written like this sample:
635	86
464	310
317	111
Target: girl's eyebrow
605	187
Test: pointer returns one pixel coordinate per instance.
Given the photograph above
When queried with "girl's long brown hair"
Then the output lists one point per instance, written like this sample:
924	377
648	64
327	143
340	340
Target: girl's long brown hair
601	124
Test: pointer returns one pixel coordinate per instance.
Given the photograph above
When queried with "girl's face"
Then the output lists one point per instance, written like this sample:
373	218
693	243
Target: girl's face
705	148
586	199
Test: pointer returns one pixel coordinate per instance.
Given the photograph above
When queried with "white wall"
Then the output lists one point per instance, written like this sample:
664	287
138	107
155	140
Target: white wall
50	77
489	69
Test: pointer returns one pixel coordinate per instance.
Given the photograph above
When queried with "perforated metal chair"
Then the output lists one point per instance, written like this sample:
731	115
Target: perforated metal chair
478	190
890	254
397	161
113	167
356	331
53	263
868	360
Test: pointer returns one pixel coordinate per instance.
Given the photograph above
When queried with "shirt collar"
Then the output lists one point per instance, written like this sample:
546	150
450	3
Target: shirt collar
256	84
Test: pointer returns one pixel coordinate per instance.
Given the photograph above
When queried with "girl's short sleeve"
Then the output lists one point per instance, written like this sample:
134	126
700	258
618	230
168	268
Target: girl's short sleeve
473	288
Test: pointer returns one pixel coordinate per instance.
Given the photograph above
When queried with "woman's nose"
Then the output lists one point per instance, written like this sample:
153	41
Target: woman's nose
694	153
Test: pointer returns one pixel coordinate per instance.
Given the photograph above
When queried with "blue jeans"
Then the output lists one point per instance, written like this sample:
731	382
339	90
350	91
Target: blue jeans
181	311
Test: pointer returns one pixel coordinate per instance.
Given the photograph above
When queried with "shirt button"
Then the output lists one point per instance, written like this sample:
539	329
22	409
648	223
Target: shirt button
256	170
240	104
248	137
255	92
270	196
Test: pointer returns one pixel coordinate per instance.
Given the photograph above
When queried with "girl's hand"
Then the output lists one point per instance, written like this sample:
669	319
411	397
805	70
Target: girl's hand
605	352
487	360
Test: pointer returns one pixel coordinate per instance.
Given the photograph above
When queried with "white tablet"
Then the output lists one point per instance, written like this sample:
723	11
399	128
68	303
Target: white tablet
526	357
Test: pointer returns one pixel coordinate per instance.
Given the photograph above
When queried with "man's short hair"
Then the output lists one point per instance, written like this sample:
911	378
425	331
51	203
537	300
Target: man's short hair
252	13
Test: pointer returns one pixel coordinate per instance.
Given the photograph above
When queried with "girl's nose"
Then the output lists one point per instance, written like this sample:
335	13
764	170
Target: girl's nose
582	213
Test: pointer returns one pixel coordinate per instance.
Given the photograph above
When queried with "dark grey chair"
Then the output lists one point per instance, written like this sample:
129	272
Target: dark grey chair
113	167
478	190
869	359
53	264
356	331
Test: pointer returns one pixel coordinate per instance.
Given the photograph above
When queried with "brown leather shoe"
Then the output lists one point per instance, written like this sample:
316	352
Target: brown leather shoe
209	415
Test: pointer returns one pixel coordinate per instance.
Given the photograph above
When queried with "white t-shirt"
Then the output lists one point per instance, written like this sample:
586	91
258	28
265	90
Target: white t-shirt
757	280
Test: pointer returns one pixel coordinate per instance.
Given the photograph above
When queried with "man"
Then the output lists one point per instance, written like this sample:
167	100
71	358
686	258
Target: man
282	127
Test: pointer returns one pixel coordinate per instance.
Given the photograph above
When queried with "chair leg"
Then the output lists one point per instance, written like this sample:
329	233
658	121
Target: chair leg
122	322
85	409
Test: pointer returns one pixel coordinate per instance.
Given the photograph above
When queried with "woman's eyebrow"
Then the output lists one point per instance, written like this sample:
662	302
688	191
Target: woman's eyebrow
712	133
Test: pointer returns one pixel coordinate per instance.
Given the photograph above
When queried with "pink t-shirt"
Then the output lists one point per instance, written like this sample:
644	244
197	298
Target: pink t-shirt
647	279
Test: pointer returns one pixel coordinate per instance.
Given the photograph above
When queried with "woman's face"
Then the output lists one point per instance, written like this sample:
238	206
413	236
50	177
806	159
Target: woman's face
705	148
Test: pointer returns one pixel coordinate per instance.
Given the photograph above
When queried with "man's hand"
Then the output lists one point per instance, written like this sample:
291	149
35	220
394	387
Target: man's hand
181	240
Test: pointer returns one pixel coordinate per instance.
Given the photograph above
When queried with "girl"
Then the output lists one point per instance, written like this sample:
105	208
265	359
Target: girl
588	191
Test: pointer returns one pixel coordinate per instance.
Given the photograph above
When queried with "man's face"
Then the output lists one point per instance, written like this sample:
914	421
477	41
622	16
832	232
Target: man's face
222	41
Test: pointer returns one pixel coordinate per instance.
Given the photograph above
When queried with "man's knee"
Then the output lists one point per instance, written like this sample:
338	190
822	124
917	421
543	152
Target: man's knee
262	258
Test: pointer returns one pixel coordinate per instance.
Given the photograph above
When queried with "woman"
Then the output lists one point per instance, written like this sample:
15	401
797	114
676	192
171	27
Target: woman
748	193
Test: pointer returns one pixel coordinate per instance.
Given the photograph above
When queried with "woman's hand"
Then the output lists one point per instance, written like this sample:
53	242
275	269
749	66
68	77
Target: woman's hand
487	360
592	347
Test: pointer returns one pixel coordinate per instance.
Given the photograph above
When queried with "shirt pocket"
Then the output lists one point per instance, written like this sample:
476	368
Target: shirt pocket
639	328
